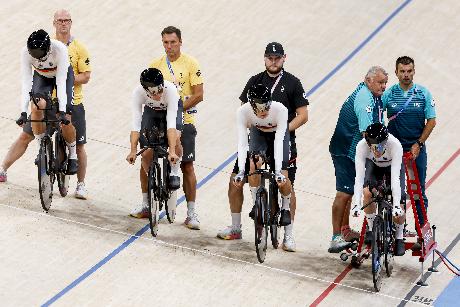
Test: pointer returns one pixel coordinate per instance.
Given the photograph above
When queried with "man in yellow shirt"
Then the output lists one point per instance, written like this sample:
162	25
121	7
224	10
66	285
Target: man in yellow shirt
184	71
79	59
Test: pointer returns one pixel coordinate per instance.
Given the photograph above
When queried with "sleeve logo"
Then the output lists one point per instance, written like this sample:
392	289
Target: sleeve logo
87	61
432	102
198	73
305	95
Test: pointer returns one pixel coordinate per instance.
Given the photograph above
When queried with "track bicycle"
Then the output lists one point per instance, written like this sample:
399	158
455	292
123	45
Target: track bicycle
52	157
267	212
159	191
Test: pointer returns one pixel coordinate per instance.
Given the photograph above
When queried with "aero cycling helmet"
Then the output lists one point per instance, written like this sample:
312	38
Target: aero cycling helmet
152	81
376	136
259	97
38	44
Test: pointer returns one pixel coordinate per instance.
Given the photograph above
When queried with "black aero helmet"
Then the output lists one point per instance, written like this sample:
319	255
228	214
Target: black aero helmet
152	80
376	136
38	44
259	97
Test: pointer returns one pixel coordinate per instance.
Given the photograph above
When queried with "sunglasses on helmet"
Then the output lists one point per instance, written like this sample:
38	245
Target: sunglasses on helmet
260	106
155	90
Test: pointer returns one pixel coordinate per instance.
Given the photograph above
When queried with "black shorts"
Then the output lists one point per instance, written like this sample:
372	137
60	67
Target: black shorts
188	138
292	163
79	122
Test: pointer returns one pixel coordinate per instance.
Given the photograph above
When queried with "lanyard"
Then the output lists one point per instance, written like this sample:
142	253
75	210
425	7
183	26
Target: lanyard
172	74
405	105
276	83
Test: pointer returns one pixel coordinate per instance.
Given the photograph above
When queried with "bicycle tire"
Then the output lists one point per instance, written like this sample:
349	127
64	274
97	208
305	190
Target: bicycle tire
389	242
376	252
153	203
261	224
61	151
171	196
275	212
45	173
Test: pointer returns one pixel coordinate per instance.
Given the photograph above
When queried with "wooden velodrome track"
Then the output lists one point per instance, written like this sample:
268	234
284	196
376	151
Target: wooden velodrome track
90	253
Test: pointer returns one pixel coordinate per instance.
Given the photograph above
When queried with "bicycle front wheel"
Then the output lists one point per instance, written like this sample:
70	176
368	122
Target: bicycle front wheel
389	241
377	252
45	173
261	224
61	151
153	190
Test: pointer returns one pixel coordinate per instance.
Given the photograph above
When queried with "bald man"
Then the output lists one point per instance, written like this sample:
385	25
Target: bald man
79	59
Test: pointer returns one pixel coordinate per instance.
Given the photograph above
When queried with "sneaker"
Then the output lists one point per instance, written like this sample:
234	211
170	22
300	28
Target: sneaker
285	218
399	247
350	234
289	244
72	167
368	237
3	176
230	233
192	221
174	182
141	211
80	191
338	244
416	247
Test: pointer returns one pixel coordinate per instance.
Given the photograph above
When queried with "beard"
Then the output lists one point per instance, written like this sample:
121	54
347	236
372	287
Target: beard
273	70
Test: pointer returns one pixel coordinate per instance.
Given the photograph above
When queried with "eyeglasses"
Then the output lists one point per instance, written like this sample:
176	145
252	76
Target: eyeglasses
63	21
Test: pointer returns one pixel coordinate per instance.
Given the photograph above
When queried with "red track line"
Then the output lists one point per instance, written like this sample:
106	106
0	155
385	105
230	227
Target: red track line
331	287
342	275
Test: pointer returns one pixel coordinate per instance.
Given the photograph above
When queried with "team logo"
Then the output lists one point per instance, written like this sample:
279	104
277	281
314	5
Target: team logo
432	102
394	105
282	88
304	95
369	109
417	104
198	73
87	61
51	64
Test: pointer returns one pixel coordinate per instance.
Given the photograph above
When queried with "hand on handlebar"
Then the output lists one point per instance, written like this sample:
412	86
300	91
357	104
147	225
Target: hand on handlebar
63	119
22	119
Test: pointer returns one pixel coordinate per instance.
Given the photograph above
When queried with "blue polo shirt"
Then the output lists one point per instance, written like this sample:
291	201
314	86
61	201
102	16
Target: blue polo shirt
360	110
408	125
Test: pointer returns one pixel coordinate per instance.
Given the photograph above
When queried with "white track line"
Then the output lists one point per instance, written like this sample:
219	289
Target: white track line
208	253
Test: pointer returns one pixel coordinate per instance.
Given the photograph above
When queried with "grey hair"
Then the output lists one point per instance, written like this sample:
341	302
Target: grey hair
374	70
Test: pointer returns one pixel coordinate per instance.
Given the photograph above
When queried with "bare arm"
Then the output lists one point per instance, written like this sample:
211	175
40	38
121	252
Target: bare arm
82	78
195	98
300	119
430	123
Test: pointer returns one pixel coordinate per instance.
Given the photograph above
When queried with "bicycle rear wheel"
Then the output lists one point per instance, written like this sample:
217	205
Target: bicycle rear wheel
377	252
153	191
45	173
261	224
389	242
62	154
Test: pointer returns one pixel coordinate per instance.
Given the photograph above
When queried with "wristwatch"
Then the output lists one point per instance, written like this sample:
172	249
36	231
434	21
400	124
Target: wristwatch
420	144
